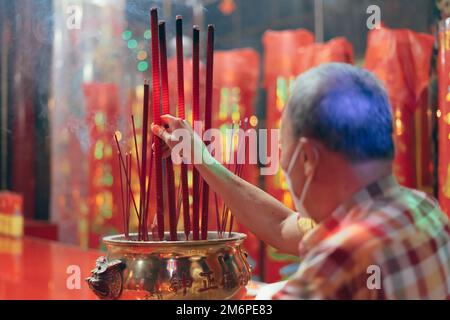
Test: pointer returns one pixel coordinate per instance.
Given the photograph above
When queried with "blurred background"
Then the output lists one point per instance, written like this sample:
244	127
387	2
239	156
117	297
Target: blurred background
71	73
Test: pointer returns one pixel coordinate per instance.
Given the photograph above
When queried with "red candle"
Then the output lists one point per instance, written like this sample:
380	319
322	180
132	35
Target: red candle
157	120
149	183
182	115
208	119
143	175
195	118
166	110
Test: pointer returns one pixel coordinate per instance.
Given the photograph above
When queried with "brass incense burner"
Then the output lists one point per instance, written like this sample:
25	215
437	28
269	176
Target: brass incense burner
216	268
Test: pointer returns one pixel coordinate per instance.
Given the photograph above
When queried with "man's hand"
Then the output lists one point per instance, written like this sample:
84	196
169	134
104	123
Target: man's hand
166	133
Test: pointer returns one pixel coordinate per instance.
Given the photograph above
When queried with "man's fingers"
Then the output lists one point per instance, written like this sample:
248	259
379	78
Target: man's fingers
161	133
170	120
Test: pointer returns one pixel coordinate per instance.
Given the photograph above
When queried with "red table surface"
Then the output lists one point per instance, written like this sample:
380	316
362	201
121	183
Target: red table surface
32	268
36	269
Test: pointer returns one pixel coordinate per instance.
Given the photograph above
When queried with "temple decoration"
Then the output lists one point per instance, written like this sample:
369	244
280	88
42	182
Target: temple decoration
201	263
236	76
102	105
11	214
401	59
443	114
288	54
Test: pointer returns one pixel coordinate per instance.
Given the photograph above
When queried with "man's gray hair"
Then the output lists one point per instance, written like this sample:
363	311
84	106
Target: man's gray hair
344	107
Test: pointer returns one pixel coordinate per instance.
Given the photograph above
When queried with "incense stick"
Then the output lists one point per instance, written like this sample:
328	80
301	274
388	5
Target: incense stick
136	147
195	118
216	202
208	120
157	121
182	115
228	166
238	168
166	110
149	183
125	230
126	174
129	190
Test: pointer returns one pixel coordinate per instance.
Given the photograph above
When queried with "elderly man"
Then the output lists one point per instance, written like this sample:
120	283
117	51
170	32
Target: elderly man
374	239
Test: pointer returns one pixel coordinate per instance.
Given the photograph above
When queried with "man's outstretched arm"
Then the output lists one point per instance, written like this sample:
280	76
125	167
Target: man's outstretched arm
266	217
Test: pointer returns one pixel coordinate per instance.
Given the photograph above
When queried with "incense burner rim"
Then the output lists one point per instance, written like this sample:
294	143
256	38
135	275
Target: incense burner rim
119	240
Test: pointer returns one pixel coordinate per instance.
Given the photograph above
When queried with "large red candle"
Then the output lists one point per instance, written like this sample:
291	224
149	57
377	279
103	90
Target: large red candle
142	223
182	115
157	121
208	119
166	110
195	118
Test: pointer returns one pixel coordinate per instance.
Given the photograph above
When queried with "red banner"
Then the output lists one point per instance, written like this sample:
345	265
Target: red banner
401	60
295	54
104	206
444	116
236	75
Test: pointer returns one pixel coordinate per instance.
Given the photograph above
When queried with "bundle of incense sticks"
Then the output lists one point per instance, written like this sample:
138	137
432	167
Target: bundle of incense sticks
164	168
226	218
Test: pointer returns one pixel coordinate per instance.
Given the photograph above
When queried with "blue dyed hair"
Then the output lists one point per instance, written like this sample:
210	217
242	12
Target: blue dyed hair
344	107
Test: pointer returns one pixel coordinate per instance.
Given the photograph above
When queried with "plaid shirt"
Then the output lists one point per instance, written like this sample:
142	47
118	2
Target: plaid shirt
384	232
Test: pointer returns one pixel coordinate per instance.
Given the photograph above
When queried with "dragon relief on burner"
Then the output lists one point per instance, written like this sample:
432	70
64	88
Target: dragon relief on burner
106	279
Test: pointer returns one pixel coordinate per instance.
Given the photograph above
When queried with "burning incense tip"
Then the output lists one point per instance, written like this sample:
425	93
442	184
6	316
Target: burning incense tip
196	28
118	135
179	17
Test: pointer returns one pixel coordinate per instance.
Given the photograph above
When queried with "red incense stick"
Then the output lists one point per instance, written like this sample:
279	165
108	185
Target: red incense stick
182	115
149	183
126	174
228	166
166	110
216	202
239	166
157	121
195	118
136	147
208	120
125	230
130	191
143	174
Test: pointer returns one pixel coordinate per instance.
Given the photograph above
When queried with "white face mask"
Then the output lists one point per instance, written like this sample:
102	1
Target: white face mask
298	202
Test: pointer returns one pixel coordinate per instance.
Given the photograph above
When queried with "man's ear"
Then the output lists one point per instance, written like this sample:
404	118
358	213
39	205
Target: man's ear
310	156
